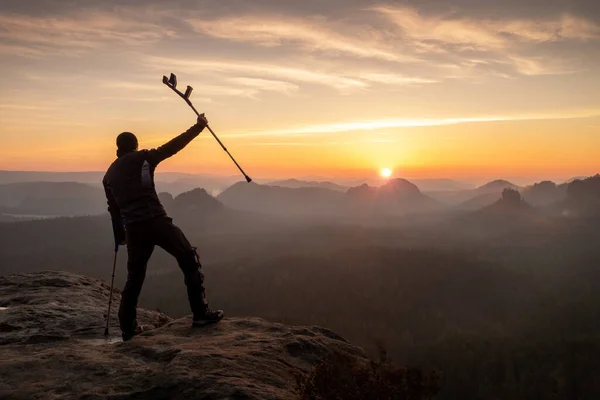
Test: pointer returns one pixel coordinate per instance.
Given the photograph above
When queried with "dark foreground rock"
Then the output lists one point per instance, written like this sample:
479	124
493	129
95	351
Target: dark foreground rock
50	306
52	347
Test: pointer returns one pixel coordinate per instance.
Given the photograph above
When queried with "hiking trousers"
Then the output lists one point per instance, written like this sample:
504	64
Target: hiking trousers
142	237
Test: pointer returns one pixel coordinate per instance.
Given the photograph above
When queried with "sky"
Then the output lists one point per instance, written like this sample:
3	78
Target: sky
462	89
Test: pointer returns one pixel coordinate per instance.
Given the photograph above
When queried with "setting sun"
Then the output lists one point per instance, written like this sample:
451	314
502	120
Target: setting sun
386	172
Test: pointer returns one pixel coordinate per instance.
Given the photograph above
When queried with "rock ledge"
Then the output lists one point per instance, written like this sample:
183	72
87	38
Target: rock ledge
52	347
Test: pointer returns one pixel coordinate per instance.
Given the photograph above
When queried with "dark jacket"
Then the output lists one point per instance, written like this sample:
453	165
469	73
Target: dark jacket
129	181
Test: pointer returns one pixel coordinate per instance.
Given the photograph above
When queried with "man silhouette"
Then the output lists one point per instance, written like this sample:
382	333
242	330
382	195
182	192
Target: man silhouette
140	221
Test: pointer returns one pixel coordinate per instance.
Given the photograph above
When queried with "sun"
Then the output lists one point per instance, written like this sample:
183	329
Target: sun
386	172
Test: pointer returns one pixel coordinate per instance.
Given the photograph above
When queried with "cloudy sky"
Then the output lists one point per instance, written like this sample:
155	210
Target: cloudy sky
333	88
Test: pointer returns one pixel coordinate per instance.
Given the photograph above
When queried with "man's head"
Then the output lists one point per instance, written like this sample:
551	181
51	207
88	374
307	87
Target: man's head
126	143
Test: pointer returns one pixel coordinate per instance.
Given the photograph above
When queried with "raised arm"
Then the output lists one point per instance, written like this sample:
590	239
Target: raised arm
176	144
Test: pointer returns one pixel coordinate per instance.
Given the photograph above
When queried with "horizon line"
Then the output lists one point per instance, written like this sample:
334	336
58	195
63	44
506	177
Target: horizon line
325	179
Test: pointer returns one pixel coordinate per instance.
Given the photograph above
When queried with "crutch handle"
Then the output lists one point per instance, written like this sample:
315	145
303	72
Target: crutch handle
172	84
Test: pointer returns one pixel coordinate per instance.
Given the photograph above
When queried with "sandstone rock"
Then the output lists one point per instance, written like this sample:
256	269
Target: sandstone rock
48	306
51	347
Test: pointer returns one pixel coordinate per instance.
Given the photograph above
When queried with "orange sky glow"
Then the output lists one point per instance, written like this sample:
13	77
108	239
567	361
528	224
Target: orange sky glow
337	89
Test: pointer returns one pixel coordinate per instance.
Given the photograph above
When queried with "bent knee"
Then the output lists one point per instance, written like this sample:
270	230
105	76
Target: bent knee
188	263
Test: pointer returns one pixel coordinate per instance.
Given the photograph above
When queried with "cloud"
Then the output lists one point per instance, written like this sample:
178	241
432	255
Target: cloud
566	27
136	86
8	49
23	107
283	78
51	105
320	143
240	87
77	33
439	29
266	84
150	99
538	66
394	79
373	44
285	73
487	34
417	38
310	34
303	144
215	90
414	122
498	42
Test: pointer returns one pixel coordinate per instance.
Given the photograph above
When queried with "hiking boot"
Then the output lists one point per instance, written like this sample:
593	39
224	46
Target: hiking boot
129	335
209	317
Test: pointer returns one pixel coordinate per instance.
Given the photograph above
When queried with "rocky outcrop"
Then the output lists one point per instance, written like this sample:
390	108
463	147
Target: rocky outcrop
52	346
583	198
197	200
55	306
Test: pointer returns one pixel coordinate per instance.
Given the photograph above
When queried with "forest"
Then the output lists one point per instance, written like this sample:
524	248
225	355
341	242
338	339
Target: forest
502	301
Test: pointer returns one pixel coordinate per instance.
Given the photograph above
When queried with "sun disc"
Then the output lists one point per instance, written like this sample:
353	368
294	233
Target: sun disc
386	172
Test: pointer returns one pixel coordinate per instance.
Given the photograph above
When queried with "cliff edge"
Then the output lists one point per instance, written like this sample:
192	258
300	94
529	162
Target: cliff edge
52	347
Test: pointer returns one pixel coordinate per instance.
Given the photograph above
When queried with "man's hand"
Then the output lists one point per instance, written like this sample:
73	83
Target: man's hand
202	121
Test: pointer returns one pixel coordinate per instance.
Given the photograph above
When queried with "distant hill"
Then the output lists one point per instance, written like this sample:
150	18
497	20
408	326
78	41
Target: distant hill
72	199
7	218
52	198
427	185
583	198
198	211
471	200
295	184
510	213
510	202
424	184
282	200
544	193
166	200
496	186
479	201
180	183
577	178
91	177
197	200
342	185
172	182
398	196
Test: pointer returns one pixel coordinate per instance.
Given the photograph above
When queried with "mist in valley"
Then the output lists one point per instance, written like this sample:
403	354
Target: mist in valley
494	285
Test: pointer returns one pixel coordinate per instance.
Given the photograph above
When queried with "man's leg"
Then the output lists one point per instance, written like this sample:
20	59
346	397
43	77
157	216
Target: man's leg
139	250
172	240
